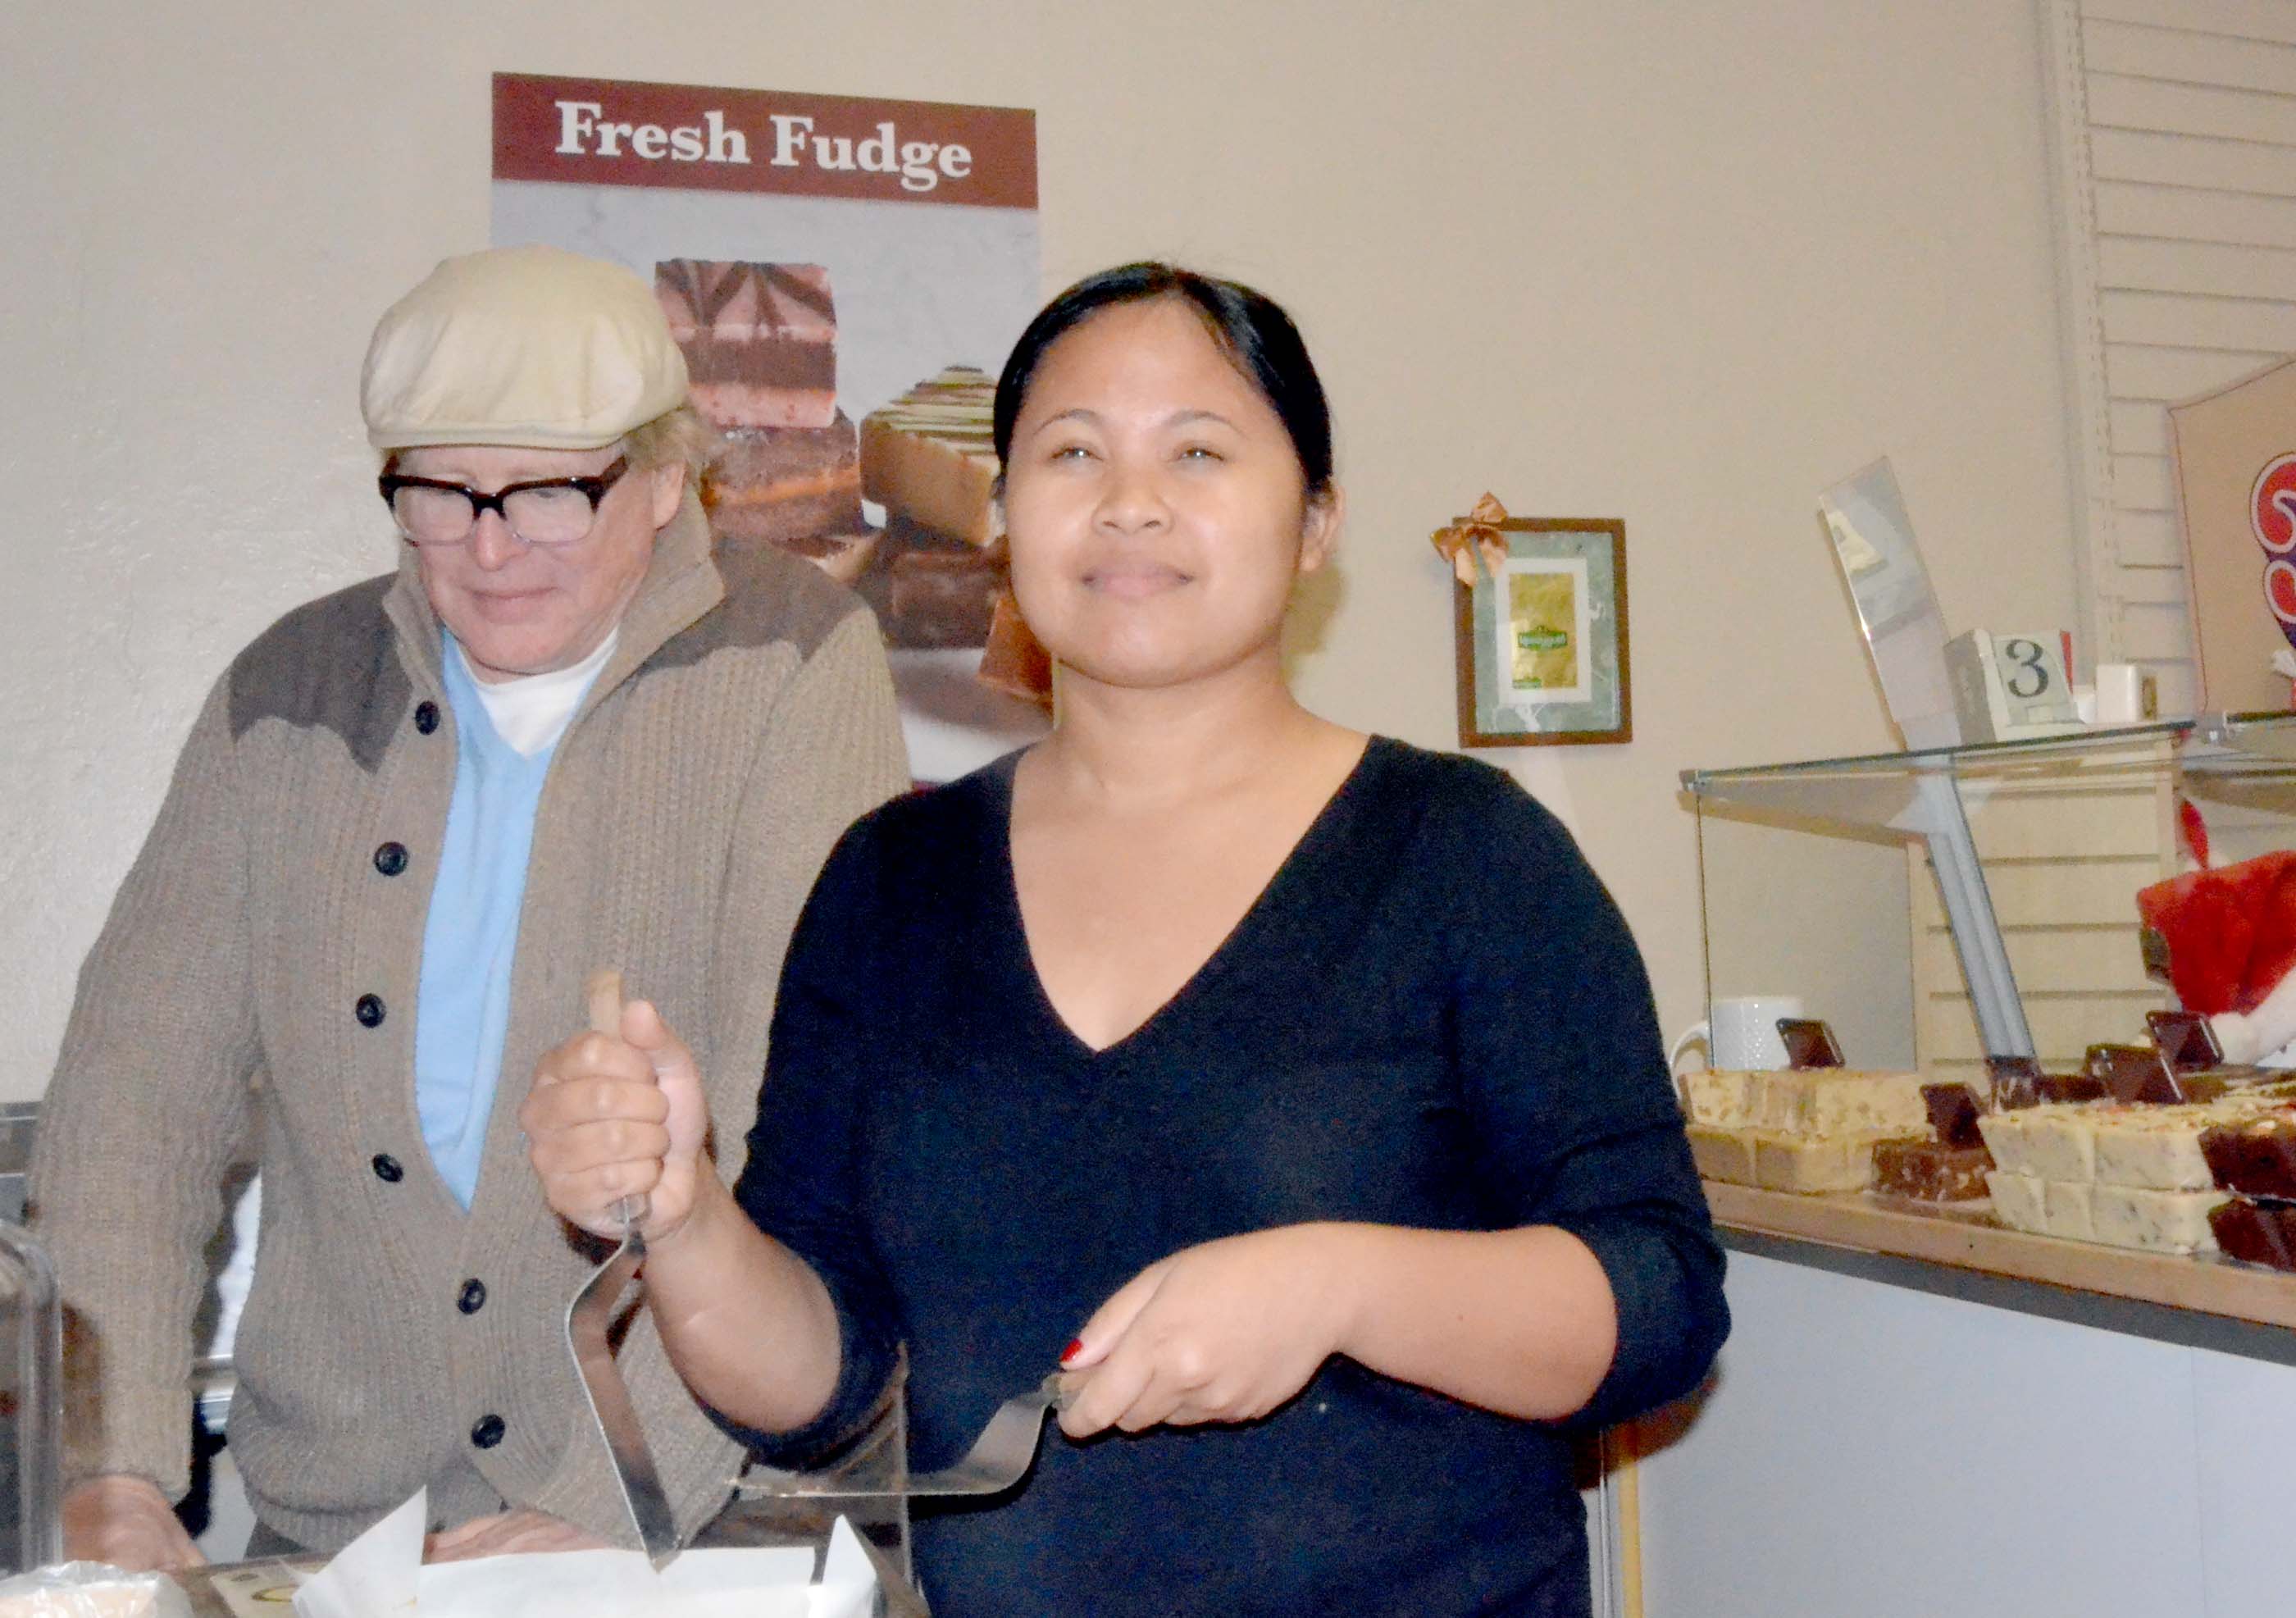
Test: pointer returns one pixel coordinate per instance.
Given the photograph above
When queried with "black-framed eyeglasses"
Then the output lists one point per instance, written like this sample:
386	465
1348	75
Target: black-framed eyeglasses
547	511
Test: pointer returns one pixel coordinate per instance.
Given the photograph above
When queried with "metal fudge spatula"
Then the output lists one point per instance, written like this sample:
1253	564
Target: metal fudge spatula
998	1459
587	1318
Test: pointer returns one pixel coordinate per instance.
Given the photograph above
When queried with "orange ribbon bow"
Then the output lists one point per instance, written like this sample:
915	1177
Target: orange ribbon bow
1474	546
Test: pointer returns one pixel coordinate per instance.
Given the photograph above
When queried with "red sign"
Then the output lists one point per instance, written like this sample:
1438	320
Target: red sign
2272	507
608	132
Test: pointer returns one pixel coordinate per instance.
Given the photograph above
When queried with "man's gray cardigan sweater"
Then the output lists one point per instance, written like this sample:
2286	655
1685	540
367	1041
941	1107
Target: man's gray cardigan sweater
269	937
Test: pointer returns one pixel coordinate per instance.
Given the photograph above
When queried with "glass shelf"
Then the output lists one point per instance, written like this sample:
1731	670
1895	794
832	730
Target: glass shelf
2228	739
2086	817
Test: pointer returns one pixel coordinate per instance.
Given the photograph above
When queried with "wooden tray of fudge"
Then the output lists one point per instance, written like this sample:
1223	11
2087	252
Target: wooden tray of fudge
2141	1199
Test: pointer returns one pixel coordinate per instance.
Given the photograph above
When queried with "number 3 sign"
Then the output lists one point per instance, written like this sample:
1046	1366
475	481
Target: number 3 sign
2009	687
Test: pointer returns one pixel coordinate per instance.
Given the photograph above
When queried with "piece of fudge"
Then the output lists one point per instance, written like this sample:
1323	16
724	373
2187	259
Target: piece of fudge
2067	1209
2134	1072
930	456
759	339
2166	1146
1723	1154
844	557
1014	661
2059	1142
2159	1147
1812	1163
2151	1220
2004	1135
2012	1081
1954	1112
1839	1102
941	595
1729	1098
1930	1170
2256	1157
2255	1233
2017	1201
784	483
2068	1089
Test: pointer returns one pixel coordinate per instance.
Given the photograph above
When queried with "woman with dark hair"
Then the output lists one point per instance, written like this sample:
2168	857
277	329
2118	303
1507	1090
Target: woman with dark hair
1304	1085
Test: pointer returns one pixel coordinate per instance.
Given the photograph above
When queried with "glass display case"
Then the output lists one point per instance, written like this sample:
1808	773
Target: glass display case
1939	906
1900	1375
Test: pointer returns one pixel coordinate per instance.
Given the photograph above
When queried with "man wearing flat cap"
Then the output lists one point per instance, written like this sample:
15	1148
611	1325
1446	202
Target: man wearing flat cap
410	819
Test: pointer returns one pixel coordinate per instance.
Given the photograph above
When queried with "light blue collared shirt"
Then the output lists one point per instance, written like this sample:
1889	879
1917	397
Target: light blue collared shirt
470	938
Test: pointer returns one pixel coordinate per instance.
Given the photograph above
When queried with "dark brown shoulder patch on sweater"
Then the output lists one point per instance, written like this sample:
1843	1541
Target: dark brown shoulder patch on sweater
330	664
770	595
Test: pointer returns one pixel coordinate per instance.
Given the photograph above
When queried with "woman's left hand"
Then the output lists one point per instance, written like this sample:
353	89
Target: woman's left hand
1226	1331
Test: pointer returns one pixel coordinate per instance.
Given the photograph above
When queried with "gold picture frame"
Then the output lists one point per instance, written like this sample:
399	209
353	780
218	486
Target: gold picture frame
1541	637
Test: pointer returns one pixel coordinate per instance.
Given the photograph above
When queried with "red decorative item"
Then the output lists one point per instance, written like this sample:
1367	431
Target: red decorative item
2195	831
2231	932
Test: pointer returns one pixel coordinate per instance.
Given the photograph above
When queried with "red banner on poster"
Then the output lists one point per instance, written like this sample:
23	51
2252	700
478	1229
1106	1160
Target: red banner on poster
612	132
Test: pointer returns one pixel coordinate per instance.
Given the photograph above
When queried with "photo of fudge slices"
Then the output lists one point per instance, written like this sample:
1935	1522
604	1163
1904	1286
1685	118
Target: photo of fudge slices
1014	661
930	456
759	339
939	578
791	468
760	347
798	488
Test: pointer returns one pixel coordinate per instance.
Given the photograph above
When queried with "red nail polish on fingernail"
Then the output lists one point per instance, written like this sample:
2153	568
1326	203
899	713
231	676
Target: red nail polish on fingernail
1075	1347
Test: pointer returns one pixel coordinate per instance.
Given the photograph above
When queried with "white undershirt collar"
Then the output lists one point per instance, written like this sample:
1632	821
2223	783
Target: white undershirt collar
532	710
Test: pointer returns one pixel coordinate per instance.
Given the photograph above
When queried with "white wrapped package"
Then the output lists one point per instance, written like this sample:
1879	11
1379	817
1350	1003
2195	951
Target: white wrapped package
380	1574
91	1590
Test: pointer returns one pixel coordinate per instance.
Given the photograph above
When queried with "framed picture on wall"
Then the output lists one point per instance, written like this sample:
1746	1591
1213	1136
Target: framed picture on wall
1542	637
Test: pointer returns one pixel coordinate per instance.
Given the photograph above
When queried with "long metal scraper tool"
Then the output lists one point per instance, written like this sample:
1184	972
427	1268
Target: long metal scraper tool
587	1320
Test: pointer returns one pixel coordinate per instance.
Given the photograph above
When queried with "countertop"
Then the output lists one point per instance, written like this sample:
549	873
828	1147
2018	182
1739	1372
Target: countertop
2204	1301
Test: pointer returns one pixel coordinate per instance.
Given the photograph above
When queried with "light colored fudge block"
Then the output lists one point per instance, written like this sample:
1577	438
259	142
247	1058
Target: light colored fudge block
1807	1163
2156	1221
1727	1099
2017	1201
1781	1102
2061	1143
929	455
1837	1101
2157	1148
1723	1154
2003	1134
1879	1104
2067	1209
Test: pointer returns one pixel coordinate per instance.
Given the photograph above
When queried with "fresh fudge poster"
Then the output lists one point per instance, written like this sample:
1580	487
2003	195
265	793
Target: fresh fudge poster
845	275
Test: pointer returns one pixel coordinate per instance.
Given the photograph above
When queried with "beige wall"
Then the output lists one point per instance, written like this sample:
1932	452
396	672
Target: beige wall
1681	263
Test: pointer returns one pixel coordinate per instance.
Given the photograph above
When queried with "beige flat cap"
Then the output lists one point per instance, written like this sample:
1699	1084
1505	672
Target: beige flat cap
530	346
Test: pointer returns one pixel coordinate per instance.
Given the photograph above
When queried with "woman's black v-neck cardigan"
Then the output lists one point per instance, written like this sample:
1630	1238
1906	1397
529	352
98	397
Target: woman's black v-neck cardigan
1433	1016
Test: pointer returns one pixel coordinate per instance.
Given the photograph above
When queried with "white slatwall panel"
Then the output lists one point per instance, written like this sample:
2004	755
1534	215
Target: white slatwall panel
2176	127
2062	860
2271	21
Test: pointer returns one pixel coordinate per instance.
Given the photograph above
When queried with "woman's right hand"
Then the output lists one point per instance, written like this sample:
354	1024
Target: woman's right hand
616	1116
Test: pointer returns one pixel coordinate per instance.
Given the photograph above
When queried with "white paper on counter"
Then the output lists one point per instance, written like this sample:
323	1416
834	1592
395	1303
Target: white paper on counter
372	1576
380	1575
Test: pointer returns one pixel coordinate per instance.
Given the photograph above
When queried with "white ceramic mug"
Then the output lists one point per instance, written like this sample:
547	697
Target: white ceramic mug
2125	694
1739	1032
